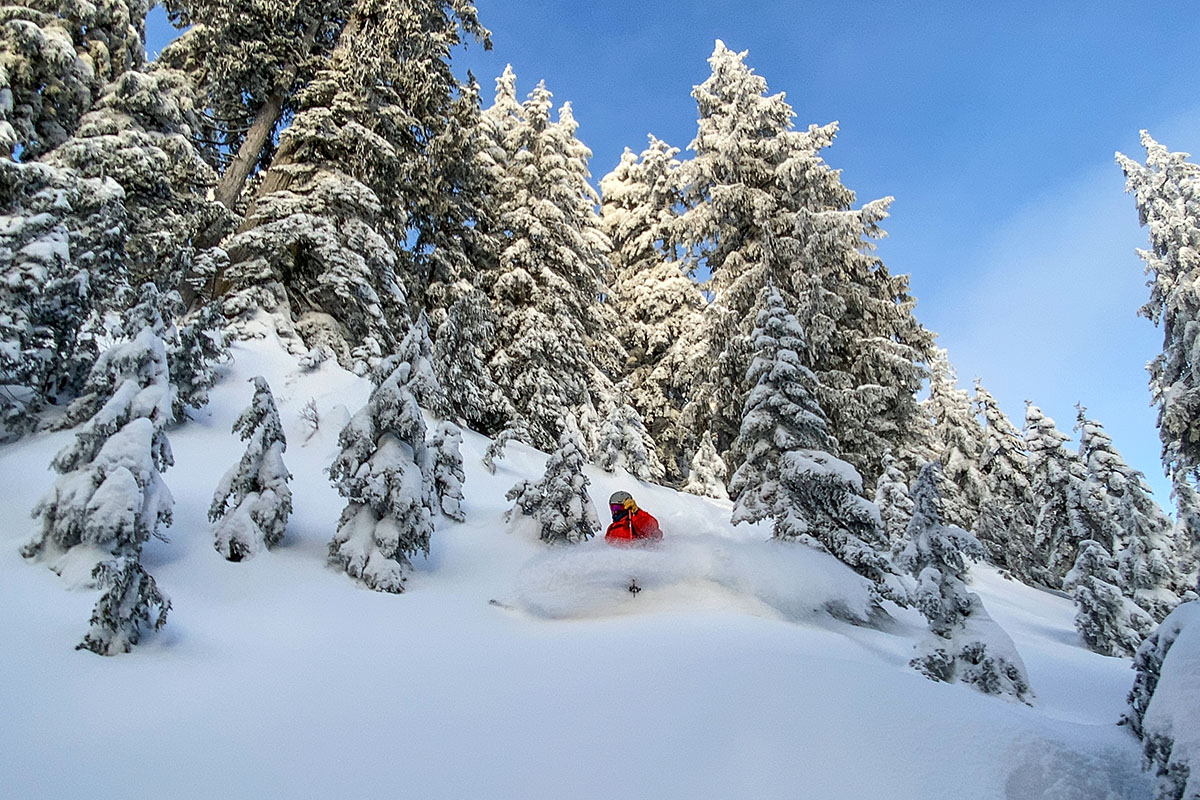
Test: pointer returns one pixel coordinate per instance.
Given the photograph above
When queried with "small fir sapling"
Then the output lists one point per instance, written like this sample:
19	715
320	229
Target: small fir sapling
894	502
131	601
445	453
965	644
417	350
200	347
559	503
515	431
252	503
707	475
390	494
1109	623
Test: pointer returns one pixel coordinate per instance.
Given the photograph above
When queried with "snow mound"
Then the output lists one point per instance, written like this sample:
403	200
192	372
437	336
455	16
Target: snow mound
783	579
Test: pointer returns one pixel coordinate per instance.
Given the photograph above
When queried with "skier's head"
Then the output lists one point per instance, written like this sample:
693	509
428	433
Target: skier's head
621	503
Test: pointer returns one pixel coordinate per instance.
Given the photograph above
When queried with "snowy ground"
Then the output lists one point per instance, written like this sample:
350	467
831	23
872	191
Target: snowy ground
727	677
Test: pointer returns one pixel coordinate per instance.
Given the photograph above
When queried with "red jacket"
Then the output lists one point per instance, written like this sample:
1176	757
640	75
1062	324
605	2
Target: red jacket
638	525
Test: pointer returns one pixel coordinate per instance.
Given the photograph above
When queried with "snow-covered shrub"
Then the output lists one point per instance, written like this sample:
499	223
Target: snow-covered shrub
559	503
623	442
131	601
252	502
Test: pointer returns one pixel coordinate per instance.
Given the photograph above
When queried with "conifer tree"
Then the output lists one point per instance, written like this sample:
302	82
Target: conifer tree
199	348
894	502
110	492
957	439
139	133
446	467
1109	623
131	601
1166	190
966	645
788	471
623	441
246	61
61	268
1144	549
325	237
554	348
764	207
390	494
1005	526
55	58
707	475
1068	510
656	303
461	353
559	504
417	350
252	502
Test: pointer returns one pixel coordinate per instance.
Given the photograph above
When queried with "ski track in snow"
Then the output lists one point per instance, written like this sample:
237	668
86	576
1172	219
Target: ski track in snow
726	677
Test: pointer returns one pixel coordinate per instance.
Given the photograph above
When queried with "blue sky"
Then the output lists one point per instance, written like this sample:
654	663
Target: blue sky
993	125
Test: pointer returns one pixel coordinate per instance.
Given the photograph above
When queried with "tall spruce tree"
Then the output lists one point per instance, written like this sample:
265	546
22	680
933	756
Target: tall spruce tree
325	239
655	301
1005	526
957	439
966	645
1166	190
554	348
763	207
1144	549
1069	511
789	473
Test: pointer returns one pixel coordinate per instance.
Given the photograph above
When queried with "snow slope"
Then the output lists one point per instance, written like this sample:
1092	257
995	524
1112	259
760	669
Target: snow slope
726	677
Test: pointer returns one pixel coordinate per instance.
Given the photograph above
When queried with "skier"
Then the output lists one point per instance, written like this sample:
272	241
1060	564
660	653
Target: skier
630	523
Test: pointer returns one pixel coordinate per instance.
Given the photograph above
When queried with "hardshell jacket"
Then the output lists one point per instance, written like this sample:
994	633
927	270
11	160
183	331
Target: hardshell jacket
636	526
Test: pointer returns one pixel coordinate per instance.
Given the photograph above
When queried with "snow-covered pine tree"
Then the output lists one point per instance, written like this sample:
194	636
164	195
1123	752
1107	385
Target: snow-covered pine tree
253	501
1005	526
326	235
655	302
1109	623
131	601
623	442
788	471
894	502
1068	510
1144	547
1167	193
558	505
957	439
110	494
246	61
707	475
554	344
55	58
966	645
1162	703
763	207
61	269
446	466
139	133
460	358
383	474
